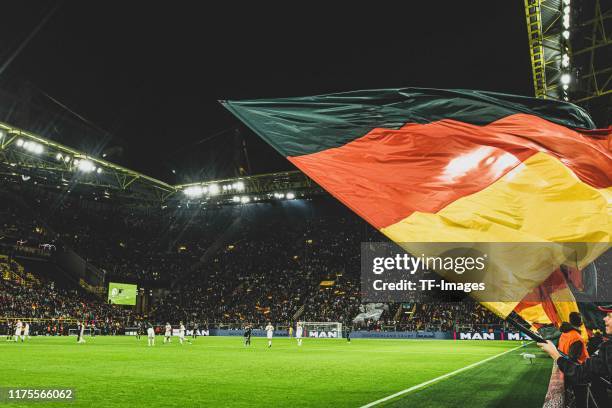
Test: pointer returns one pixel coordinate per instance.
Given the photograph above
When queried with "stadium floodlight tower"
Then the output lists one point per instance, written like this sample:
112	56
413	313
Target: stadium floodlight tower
322	330
571	53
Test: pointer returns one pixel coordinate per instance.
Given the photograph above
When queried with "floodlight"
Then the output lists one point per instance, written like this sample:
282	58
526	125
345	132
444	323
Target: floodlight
213	189
565	79
86	166
290	196
194	191
565	60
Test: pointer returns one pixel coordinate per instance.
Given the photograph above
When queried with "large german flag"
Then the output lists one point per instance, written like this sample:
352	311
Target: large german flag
428	165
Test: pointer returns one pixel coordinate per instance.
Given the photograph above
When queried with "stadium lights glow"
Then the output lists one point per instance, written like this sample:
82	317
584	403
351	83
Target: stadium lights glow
279	195
236	199
566	21
566	34
32	147
85	166
99	170
194	191
19	142
2	134
238	186
213	189
58	157
290	196
66	159
565	79
565	87
565	60
244	199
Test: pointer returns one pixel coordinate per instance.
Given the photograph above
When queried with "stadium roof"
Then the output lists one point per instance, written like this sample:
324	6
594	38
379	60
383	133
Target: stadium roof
29	158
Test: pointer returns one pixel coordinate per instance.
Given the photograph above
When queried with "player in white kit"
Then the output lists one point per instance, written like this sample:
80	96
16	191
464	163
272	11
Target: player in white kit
269	333
18	327
26	332
168	334
151	335
181	333
298	333
81	333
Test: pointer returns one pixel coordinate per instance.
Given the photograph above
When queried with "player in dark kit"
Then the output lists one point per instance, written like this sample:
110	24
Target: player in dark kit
247	335
347	332
139	330
194	334
9	330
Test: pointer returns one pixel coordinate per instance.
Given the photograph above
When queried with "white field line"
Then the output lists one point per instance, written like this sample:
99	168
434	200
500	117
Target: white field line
442	377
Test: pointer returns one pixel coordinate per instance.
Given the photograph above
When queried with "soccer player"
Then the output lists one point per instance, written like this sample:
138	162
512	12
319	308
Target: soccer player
18	327
138	330
9	330
298	333
348	332
81	329
151	335
181	333
168	334
195	331
247	335
26	332
269	333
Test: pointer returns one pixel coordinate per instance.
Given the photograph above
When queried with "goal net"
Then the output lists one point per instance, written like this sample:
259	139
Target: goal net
322	330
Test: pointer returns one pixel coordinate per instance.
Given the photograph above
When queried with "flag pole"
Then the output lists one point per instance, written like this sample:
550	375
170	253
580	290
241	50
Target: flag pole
515	320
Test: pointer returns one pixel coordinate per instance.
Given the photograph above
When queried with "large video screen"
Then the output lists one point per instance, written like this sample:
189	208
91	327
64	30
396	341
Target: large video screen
121	293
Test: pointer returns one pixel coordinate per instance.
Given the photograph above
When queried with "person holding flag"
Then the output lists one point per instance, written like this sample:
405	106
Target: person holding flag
595	370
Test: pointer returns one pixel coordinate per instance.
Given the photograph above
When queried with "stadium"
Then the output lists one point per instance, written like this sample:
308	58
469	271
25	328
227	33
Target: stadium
257	206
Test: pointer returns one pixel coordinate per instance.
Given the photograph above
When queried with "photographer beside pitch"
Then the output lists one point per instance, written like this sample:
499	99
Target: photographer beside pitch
596	369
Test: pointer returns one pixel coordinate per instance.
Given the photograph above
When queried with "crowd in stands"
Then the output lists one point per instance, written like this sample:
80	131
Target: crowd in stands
271	271
29	297
227	266
447	316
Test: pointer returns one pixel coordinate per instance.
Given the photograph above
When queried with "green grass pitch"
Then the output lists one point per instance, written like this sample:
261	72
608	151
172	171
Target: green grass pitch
220	372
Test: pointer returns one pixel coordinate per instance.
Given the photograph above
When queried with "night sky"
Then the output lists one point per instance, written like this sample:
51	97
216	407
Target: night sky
151	74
